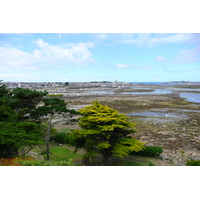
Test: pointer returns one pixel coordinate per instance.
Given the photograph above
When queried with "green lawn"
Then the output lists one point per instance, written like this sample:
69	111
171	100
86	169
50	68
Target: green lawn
62	153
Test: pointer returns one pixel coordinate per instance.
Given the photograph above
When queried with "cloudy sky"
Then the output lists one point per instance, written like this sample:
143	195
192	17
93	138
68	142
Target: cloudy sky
137	57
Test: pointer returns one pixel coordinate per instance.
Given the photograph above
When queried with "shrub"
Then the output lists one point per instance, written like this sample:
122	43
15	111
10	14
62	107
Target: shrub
62	136
55	95
48	163
149	151
150	163
193	162
15	161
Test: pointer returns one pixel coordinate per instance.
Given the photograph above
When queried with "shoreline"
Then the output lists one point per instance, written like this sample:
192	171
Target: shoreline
174	137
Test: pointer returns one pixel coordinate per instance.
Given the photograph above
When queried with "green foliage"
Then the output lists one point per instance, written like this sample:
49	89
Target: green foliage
104	131
14	136
20	99
55	95
127	145
62	136
193	162
3	90
63	153
149	151
51	106
150	163
7	114
47	163
17	131
20	134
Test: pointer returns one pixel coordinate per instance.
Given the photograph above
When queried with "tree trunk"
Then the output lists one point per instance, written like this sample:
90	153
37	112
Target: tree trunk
48	140
107	155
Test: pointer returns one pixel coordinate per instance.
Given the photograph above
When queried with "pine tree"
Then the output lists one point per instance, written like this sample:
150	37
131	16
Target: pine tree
104	131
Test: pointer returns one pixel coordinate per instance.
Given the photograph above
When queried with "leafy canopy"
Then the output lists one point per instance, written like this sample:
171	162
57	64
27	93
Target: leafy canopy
104	131
3	89
17	130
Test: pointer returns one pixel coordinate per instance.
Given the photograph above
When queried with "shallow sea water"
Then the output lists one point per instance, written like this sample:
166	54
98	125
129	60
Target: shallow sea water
160	115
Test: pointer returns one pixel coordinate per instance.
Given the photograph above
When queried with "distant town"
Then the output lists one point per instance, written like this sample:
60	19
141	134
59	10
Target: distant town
70	85
78	85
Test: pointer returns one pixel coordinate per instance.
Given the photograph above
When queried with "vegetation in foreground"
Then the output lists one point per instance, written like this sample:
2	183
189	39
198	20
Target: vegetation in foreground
63	155
105	134
104	131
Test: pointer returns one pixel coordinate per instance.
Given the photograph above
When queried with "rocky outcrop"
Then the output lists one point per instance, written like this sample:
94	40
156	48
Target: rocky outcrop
180	144
179	158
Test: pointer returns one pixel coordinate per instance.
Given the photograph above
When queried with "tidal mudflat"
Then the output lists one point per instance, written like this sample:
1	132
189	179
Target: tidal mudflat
162	116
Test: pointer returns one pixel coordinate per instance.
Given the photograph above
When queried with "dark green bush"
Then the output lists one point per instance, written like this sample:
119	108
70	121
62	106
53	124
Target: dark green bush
149	151
62	136
150	163
55	95
193	163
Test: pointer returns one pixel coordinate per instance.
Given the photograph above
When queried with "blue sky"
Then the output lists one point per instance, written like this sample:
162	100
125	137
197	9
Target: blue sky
128	57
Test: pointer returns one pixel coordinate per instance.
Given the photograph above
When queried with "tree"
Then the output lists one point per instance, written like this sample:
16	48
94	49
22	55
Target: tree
24	100
3	89
47	112
20	137
18	134
104	131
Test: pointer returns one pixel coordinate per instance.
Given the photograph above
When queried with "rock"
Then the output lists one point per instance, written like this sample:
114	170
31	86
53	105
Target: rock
164	156
195	157
144	137
184	129
175	162
172	139
184	135
180	160
165	132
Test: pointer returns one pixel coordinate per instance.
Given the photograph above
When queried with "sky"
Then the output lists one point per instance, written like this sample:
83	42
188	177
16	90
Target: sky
97	41
85	57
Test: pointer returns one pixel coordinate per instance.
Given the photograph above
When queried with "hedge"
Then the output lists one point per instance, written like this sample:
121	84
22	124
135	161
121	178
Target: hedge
149	151
55	95
193	162
62	136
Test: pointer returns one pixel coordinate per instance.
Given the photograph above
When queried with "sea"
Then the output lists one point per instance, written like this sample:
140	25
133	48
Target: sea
192	95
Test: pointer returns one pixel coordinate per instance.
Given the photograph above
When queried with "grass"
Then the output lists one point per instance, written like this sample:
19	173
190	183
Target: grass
123	162
55	95
59	153
62	153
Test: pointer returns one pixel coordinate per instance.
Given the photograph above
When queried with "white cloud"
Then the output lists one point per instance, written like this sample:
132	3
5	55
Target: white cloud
187	56
136	67
51	56
122	66
160	58
41	43
147	39
16	59
15	77
77	54
18	65
101	36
